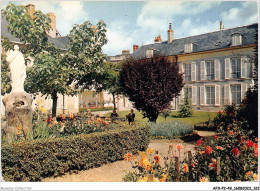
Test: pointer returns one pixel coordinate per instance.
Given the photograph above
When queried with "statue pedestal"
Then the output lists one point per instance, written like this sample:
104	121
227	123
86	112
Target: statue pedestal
18	114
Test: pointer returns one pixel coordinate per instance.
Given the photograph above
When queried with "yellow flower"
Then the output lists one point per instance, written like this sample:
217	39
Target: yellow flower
255	176
163	178
156	180
204	179
150	151
144	179
42	109
142	154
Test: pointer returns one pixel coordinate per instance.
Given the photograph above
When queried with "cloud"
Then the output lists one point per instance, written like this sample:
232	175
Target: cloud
67	13
246	14
157	14
118	38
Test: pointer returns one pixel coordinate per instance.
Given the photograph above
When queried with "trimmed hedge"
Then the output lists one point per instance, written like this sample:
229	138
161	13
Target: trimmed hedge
33	161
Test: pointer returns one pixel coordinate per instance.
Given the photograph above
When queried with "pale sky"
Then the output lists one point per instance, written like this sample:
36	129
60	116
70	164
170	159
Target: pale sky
138	22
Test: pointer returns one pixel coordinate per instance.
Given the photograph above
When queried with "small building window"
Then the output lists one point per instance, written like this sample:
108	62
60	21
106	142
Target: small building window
236	94
236	39
210	95
210	70
188	92
235	68
187	72
149	53
188	47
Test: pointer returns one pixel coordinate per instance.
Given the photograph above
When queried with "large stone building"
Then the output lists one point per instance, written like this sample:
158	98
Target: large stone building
217	66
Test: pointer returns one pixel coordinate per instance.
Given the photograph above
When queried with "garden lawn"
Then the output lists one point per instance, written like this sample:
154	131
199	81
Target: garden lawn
196	118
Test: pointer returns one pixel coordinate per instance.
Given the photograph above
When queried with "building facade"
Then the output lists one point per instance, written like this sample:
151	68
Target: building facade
217	67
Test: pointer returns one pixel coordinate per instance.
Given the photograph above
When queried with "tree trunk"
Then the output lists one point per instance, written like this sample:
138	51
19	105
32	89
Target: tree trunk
114	101
153	117
54	103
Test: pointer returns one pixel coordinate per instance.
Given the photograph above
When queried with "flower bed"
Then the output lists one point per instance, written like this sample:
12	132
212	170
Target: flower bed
231	156
33	161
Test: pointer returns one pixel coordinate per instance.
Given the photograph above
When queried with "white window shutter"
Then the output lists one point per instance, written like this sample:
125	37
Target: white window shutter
202	95
65	102
217	69
253	70
58	101
181	68
226	95
202	70
243	66
244	90
194	95
181	97
217	95
76	101
227	68
193	71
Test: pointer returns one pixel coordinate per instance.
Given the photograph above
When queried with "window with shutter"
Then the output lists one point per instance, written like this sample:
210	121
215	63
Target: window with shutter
187	72
235	94
181	68
226	95
236	39
244	61
202	95
217	69
210	70
193	71
235	68
202	70
194	95
217	96
227	68
210	95
65	102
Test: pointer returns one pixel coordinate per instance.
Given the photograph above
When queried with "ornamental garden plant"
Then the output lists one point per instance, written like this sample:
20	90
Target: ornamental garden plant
231	156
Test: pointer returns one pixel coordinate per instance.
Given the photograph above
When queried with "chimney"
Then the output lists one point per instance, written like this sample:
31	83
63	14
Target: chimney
52	31
125	51
170	34
158	39
30	10
135	47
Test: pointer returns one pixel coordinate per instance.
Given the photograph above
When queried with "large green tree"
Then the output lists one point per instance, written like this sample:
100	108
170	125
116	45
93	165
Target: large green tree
55	72
111	82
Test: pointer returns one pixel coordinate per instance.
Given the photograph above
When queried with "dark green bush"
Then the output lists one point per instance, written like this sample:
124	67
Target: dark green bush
185	109
33	161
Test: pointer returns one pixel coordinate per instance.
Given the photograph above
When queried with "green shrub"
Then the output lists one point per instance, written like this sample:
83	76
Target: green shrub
170	130
32	161
185	109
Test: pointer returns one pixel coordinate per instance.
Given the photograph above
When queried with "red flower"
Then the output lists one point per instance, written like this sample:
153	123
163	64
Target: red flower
199	142
235	152
216	137
256	152
249	143
157	158
49	119
208	150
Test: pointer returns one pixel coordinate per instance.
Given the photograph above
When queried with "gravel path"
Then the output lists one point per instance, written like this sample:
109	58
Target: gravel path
114	172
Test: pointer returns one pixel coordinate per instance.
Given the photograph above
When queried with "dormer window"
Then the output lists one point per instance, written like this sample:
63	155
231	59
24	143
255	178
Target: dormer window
188	47
236	39
149	53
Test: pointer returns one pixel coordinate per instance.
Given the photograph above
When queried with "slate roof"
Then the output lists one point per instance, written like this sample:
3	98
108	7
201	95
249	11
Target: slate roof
60	42
208	41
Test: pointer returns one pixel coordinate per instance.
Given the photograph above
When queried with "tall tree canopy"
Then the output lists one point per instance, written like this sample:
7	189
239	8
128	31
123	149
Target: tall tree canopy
55	71
151	84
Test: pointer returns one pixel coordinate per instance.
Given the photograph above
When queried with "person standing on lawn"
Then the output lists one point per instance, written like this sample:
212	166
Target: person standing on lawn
131	117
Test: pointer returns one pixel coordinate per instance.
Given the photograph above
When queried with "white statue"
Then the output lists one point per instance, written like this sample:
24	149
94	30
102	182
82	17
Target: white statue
17	68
